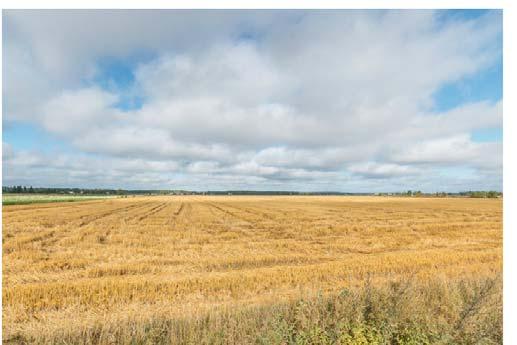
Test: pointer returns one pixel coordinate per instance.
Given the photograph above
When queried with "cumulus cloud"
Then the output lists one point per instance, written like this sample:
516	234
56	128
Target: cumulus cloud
272	97
381	170
446	150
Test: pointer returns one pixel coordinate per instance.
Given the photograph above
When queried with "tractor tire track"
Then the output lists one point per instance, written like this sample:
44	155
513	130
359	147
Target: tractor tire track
153	211
174	215
179	210
230	213
140	212
89	219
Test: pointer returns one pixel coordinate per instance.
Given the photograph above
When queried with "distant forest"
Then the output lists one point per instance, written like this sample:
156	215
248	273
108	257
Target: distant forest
100	191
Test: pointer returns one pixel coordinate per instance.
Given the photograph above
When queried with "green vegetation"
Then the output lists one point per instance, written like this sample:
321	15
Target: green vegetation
484	194
67	191
23	199
403	313
464	312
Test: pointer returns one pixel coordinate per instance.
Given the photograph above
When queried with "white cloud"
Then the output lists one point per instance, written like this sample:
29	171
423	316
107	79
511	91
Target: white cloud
73	112
7	151
381	170
315	95
452	149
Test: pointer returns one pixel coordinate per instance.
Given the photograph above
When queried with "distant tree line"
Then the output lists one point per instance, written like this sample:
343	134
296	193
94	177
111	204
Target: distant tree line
101	191
98	191
83	191
466	194
18	189
272	192
482	194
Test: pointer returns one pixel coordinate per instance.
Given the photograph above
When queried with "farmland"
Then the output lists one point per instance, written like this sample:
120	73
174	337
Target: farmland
249	269
23	199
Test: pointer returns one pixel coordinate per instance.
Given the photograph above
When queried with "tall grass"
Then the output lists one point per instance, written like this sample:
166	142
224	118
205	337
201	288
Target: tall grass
399	312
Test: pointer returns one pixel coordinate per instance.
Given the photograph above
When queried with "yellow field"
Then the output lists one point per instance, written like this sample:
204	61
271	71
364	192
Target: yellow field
73	267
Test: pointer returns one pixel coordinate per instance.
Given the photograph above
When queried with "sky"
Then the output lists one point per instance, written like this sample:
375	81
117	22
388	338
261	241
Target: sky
320	100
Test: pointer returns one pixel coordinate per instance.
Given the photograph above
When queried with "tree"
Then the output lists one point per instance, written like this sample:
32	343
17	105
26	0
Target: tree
492	194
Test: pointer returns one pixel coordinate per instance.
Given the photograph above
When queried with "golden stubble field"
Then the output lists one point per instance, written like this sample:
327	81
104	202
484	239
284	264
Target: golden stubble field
70	267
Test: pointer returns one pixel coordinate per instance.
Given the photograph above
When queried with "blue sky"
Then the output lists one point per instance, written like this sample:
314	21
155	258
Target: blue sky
26	136
254	100
484	85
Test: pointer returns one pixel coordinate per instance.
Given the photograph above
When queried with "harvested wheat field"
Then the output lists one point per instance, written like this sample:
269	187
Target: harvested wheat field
232	269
